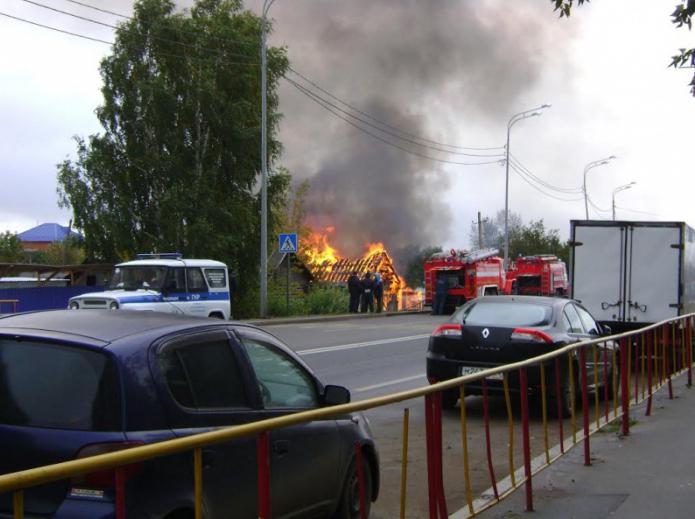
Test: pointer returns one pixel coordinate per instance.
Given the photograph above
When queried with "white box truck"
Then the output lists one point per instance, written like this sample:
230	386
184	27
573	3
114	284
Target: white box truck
628	274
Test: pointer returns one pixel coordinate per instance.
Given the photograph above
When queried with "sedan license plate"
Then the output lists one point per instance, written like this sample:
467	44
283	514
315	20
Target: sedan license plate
469	370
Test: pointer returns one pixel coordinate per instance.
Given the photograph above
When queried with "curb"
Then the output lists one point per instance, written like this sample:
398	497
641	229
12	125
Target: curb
328	318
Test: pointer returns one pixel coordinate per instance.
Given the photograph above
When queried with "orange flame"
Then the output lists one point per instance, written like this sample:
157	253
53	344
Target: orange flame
317	252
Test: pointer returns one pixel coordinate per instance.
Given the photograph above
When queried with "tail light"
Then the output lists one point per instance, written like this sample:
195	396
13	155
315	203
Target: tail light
103	479
448	330
530	335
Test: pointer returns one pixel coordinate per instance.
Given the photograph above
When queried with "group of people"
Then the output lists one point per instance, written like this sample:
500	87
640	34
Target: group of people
365	293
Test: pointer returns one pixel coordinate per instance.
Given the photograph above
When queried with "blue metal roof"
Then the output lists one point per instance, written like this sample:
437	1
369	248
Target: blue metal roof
47	232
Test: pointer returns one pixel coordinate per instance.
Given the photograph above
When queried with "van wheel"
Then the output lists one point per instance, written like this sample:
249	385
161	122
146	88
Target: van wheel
349	506
216	315
181	514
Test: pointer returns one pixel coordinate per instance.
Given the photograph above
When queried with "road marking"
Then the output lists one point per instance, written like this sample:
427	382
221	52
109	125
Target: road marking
356	345
389	383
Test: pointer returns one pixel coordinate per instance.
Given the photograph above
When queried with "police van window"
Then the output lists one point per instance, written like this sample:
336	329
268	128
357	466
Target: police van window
196	281
201	372
217	278
175	280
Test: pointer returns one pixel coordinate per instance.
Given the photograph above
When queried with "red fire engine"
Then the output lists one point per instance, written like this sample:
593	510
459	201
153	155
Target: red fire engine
468	274
542	275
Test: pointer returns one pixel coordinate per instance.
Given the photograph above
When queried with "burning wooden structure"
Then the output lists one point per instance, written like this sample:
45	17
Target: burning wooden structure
327	266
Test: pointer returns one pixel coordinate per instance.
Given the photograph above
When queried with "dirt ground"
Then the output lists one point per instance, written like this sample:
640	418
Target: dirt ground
387	426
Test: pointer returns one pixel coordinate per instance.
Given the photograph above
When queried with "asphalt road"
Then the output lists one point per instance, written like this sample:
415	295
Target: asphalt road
370	357
378	356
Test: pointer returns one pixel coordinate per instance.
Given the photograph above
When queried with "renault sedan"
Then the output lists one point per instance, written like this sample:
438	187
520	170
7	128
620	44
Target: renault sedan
492	331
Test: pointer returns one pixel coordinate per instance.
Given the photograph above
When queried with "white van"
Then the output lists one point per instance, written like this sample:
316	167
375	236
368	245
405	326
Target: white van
164	283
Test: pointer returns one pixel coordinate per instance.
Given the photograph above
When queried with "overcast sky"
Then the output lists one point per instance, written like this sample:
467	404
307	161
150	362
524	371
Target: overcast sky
450	71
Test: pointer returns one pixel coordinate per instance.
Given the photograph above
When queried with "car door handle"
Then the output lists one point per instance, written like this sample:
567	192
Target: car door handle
281	447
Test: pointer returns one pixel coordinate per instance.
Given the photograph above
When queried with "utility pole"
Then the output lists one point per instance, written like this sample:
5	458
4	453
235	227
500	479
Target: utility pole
481	245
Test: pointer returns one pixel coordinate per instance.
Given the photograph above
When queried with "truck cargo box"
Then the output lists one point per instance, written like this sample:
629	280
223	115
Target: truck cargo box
628	274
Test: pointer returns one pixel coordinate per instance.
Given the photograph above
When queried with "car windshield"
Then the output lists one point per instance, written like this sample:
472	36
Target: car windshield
507	314
132	278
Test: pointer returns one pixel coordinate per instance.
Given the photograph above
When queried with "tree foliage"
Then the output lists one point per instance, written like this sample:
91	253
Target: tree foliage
524	240
681	16
10	248
415	271
177	166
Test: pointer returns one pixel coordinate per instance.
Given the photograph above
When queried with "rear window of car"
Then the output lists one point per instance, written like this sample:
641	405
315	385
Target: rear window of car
58	386
512	313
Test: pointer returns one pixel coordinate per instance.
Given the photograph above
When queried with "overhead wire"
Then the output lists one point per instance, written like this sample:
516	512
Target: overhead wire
437	146
312	95
548	185
385	124
599	209
219	52
318	101
523	176
391	134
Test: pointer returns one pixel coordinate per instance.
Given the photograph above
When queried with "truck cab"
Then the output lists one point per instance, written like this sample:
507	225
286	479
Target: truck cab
164	283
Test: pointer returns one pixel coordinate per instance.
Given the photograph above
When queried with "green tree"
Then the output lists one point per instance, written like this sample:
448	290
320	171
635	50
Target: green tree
177	166
10	248
493	230
67	252
681	16
414	271
534	238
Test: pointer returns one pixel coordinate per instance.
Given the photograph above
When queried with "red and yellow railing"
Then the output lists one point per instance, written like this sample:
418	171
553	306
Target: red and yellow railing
649	358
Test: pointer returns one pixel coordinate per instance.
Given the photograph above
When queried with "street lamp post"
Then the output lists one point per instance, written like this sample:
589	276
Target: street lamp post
589	166
618	190
264	163
512	121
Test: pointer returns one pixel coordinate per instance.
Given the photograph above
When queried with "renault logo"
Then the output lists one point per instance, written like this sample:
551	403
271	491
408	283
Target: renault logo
486	333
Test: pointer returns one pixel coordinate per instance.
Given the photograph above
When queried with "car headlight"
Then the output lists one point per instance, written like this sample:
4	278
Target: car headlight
113	305
74	305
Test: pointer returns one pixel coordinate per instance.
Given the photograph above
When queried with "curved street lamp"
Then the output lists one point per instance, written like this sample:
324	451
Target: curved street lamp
618	190
533	112
264	163
589	166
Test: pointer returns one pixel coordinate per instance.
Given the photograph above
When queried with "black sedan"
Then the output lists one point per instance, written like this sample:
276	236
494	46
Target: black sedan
491	331
75	384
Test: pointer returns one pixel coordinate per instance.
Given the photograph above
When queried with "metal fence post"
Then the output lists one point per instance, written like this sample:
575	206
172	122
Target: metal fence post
624	387
523	388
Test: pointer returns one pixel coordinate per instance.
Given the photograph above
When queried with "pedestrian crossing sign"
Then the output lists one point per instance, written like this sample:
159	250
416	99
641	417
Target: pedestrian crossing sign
288	242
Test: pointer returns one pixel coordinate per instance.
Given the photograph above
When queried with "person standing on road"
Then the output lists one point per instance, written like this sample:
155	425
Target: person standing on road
355	290
440	296
367	293
378	292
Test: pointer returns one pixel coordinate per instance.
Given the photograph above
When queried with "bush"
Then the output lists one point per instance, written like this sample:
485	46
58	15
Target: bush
327	300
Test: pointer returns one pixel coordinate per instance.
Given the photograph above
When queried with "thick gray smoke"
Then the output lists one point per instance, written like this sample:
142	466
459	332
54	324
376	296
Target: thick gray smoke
420	65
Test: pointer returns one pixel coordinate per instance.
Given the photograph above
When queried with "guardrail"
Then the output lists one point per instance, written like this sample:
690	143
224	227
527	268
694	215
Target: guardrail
648	358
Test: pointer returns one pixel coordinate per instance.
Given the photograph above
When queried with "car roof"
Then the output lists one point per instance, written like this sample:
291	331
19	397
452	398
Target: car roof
100	327
173	263
541	300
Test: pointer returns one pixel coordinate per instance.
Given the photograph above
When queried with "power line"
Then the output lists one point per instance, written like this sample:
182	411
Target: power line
394	135
434	145
523	176
567	190
318	101
361	112
55	29
217	51
592	204
106	42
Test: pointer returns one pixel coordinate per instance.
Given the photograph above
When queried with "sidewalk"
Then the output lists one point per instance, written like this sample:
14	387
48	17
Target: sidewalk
649	474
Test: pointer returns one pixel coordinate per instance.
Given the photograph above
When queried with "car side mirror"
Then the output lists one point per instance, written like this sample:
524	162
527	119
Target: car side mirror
606	330
336	395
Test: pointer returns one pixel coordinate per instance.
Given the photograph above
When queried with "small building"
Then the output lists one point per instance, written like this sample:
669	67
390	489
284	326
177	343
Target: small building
41	237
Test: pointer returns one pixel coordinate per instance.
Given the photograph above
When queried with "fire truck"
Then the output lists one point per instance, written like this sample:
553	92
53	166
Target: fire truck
539	275
468	274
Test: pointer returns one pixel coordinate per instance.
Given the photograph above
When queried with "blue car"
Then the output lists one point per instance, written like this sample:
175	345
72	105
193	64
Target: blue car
76	384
